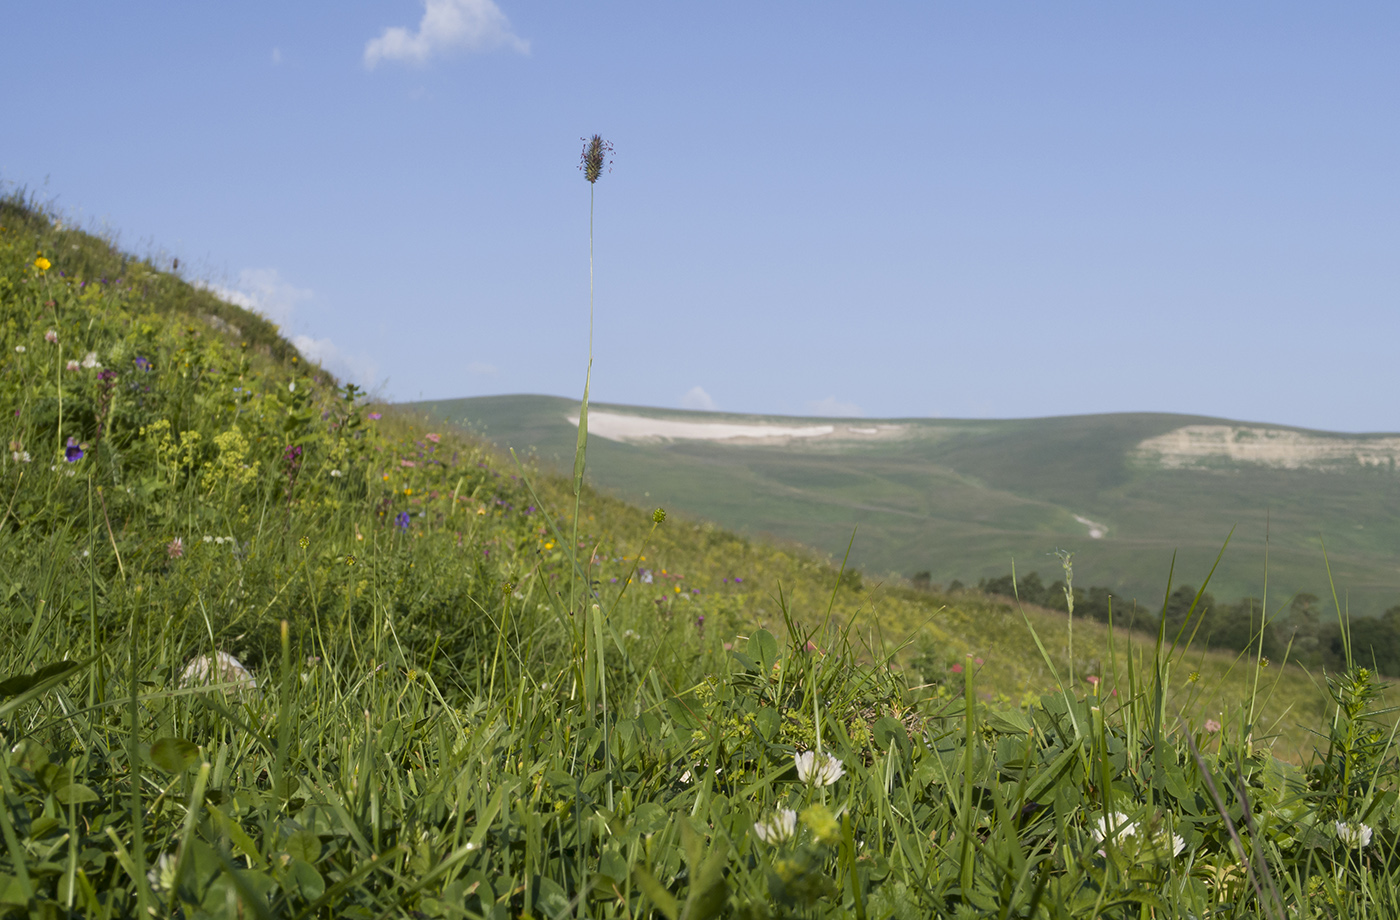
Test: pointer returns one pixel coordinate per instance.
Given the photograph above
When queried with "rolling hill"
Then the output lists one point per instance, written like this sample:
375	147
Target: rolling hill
963	499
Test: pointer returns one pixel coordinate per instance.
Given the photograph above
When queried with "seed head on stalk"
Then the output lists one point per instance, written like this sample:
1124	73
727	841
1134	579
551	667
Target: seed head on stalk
595	152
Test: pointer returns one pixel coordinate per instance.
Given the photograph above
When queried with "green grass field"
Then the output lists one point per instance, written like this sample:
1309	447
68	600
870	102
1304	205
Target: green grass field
963	499
451	707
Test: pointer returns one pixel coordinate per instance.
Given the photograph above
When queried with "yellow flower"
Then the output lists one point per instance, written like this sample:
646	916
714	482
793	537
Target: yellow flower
42	264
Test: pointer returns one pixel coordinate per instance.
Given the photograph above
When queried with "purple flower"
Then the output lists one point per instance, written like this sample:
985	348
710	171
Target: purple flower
402	520
73	452
374	416
142	364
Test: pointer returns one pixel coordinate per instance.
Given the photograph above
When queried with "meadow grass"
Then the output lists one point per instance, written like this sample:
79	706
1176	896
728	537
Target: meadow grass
712	726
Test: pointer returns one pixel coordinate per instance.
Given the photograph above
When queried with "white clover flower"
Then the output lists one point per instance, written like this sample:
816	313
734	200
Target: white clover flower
1356	836
1114	825
336	473
630	634
780	826
1117	827
208	539
823	771
19	349
90	360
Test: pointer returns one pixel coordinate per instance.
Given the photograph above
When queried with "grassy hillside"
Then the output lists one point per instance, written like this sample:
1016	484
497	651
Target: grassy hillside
445	705
962	499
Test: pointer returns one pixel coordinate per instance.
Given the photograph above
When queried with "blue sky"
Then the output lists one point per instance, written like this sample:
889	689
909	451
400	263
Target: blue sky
887	209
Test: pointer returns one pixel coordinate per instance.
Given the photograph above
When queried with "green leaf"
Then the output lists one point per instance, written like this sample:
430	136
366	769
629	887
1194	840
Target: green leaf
75	794
1010	722
174	755
889	730
767	721
303	881
765	647
13	893
682	713
663	899
304	845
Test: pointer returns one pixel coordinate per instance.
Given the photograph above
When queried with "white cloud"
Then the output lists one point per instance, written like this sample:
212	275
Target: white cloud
263	291
276	55
697	398
266	292
471	25
481	370
357	369
831	407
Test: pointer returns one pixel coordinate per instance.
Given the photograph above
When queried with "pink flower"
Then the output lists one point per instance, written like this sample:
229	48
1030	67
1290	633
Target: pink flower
72	366
407	463
51	336
977	661
956	669
374	416
1212	726
1093	679
435	438
176	548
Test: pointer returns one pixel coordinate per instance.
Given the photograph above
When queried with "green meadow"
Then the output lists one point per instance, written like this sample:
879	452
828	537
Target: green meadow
269	649
963	499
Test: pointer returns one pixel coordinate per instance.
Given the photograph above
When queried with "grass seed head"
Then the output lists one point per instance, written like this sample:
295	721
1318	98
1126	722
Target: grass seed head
595	152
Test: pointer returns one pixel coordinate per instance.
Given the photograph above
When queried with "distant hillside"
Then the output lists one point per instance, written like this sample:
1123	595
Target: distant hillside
962	499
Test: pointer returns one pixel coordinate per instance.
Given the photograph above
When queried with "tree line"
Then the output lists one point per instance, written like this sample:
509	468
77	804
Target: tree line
1299	632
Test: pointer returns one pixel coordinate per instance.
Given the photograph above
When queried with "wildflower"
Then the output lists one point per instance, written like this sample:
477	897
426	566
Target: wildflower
824	771
1093	679
1212	726
21	456
658	516
71	366
221	667
162	874
19	349
90	360
956	669
374	416
435	438
175	548
1355	836
630	634
408	463
780	826
209	539
1113	825
51	337
336	473
1194	677
42	264
595	151
143	365
292	387
304	542
402	520
73	452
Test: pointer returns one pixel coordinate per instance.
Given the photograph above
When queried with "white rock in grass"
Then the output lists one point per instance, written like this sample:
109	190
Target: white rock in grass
219	668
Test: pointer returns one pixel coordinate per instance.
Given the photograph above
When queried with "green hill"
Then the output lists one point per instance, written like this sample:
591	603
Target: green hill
962	499
444	706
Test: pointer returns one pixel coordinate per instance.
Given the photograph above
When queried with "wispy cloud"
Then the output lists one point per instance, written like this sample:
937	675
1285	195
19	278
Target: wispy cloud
447	25
264	291
831	407
481	369
276	55
697	398
358	369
